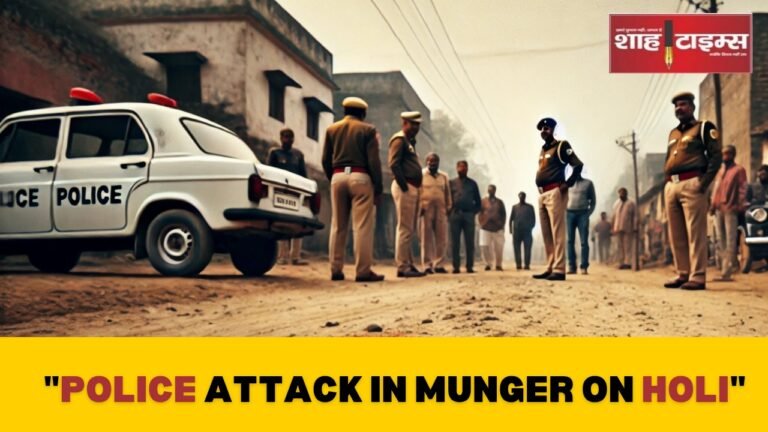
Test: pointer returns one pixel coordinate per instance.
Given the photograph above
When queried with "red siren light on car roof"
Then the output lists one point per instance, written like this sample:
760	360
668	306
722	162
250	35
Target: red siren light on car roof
161	99
83	96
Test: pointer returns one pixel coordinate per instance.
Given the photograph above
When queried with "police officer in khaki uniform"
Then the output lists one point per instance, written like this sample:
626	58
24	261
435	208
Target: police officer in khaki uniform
406	170
693	159
553	199
351	162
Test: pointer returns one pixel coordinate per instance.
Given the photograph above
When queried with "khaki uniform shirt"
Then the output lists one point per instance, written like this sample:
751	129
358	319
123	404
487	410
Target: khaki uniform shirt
404	161
553	159
351	142
694	147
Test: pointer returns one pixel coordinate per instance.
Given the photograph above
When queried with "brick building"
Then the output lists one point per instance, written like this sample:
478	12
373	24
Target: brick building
45	51
744	103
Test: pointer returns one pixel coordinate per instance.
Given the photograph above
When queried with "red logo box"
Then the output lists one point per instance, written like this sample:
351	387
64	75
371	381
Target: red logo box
686	43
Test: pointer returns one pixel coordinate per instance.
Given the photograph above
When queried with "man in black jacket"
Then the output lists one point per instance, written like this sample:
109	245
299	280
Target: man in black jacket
466	205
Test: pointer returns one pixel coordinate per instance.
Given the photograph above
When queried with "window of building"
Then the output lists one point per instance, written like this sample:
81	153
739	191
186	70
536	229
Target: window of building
27	141
182	73
278	81
184	83
314	108
277	102
313	123
105	136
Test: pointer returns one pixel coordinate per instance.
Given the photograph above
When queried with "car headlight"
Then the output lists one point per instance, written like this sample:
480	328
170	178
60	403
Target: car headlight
760	215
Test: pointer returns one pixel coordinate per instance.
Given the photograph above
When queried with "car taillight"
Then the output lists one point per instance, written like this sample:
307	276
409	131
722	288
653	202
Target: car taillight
256	188
314	203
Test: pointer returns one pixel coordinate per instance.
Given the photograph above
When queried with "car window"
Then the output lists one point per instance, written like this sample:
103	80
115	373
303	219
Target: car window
5	140
137	143
103	136
33	140
217	141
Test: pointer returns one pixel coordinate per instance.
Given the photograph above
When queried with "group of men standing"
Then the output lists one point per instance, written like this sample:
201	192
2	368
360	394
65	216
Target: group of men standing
425	199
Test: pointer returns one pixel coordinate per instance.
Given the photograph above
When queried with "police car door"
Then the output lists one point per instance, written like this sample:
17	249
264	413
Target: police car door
106	156
27	163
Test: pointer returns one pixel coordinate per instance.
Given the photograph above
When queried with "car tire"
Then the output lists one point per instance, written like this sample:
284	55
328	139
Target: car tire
254	256
61	260
179	243
745	255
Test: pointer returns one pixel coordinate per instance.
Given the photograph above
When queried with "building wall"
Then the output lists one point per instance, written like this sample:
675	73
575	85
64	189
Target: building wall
744	101
222	78
45	51
262	54
266	13
233	77
759	90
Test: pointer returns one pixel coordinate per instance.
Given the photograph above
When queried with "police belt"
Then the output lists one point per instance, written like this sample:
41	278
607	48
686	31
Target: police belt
549	187
677	178
349	170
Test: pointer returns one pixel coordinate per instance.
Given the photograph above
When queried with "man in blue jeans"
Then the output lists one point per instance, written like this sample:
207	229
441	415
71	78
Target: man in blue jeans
581	205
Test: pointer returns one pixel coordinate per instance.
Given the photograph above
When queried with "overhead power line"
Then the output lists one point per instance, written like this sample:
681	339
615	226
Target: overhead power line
464	69
495	142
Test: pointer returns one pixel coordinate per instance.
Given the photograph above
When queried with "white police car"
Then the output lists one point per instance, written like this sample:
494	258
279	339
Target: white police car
146	177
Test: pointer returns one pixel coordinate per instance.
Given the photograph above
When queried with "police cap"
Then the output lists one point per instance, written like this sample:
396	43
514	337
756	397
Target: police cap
547	121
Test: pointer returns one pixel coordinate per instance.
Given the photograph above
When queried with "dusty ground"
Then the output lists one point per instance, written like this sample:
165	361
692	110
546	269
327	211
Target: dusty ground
117	297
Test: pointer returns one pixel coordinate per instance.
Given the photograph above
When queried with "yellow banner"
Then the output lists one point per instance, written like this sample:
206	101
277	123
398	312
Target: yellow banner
376	384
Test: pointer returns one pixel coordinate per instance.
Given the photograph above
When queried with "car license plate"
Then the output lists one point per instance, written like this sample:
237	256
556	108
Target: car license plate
286	202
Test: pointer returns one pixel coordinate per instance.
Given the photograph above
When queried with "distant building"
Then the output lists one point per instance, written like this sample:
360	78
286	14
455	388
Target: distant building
388	94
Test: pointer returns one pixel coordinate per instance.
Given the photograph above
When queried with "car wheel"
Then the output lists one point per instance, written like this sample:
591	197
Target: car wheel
254	256
61	260
179	243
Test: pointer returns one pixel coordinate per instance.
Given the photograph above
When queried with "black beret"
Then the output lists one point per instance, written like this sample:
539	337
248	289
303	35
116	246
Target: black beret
547	121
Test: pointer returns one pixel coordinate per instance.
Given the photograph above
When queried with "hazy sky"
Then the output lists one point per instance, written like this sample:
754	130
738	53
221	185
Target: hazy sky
527	60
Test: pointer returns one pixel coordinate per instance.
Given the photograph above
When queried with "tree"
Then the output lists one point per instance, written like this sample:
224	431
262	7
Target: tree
453	143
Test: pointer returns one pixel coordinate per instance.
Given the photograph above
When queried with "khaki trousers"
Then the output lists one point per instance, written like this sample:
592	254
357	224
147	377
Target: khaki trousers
407	208
434	234
352	194
289	249
726	226
686	209
626	247
552	205
492	247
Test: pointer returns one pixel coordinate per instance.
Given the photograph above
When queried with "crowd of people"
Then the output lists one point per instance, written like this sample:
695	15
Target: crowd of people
435	209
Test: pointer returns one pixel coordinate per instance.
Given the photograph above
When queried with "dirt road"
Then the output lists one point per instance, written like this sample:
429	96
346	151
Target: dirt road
118	297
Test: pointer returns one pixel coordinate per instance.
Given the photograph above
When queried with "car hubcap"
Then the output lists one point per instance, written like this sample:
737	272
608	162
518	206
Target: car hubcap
175	244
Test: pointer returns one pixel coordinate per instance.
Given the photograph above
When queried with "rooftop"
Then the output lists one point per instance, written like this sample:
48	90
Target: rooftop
266	15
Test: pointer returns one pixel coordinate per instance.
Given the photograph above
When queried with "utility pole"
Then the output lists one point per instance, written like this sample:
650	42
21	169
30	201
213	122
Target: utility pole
629	143
716	80
713	8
